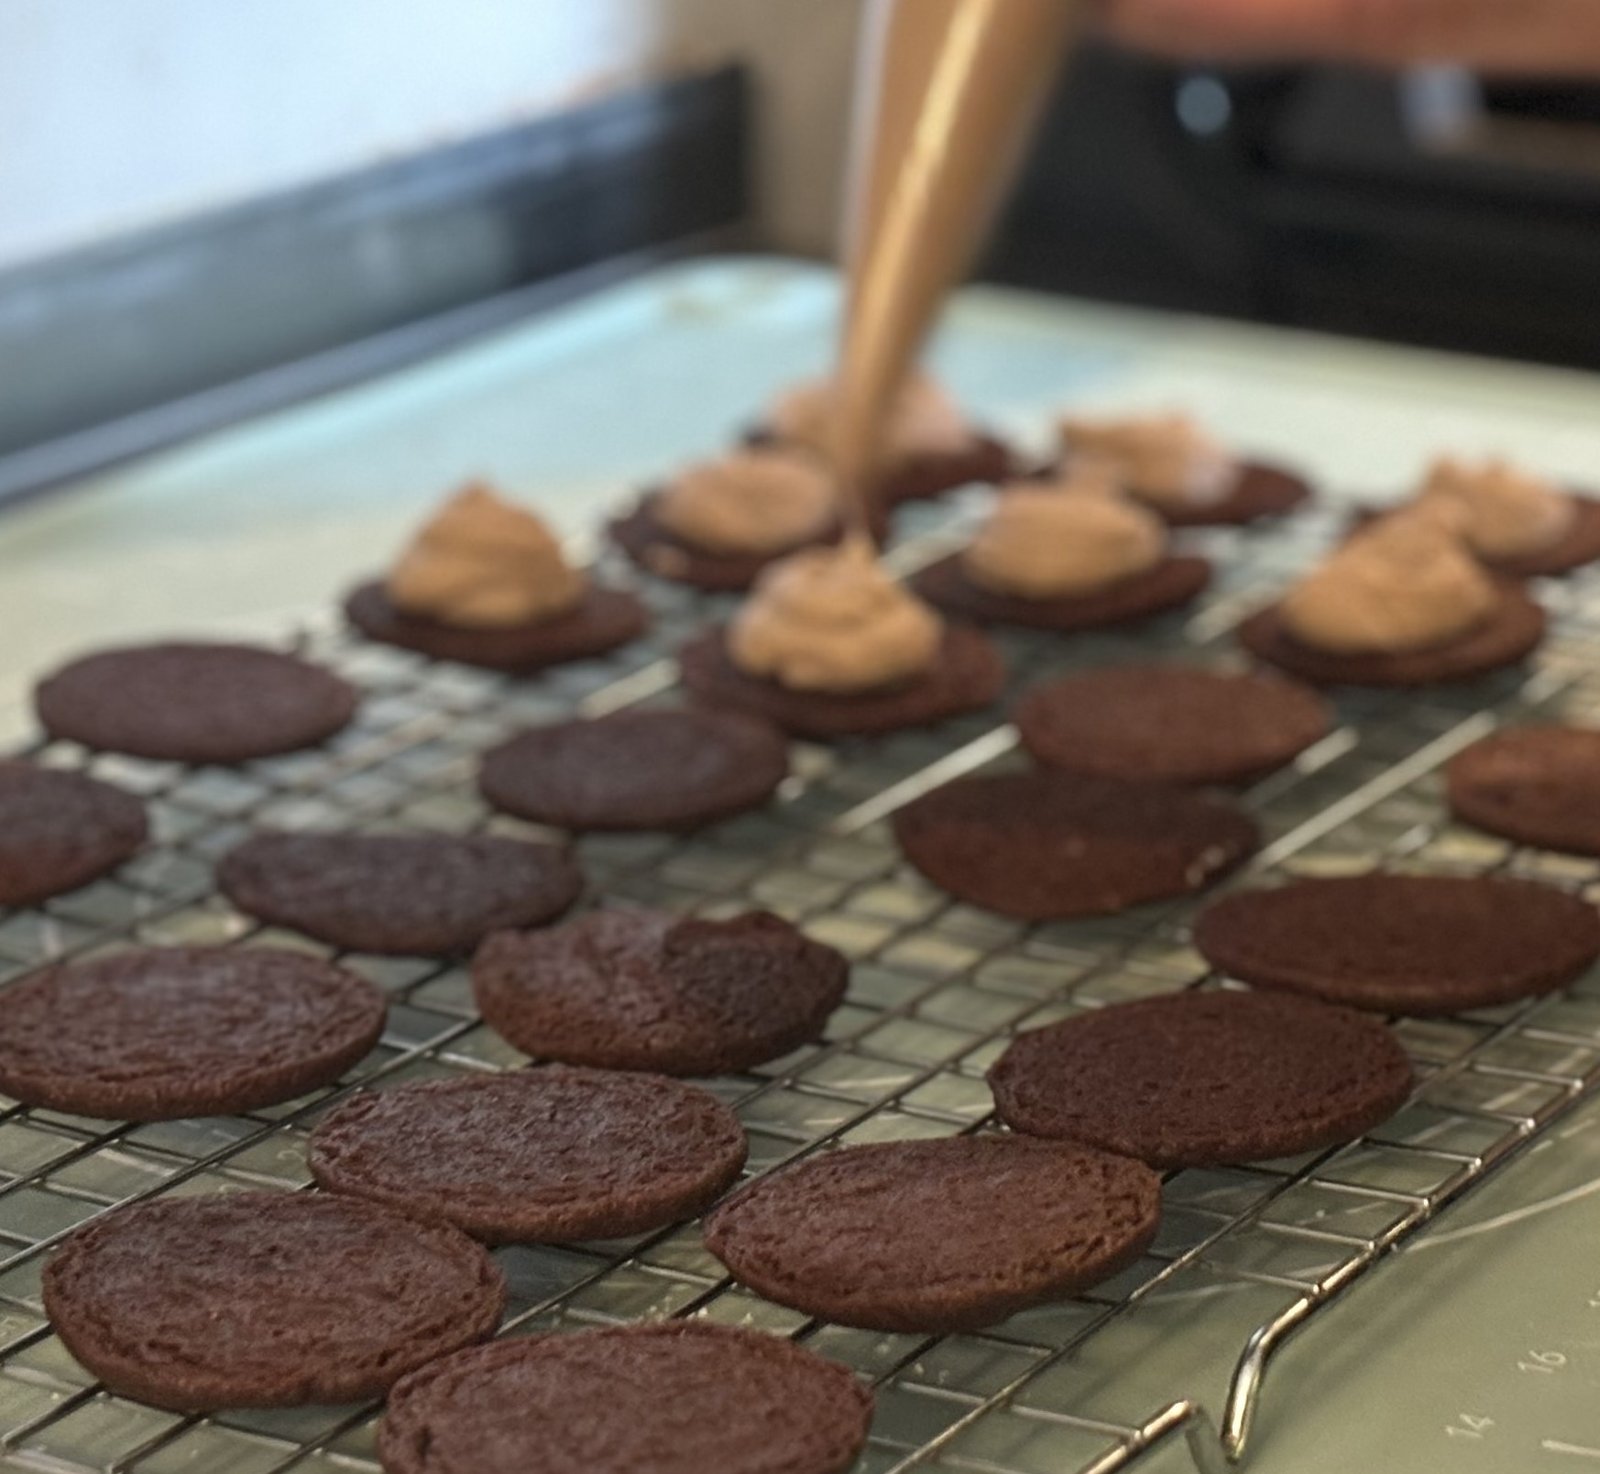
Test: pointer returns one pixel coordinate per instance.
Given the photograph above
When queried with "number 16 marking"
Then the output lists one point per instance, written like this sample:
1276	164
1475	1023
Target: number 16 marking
1543	1361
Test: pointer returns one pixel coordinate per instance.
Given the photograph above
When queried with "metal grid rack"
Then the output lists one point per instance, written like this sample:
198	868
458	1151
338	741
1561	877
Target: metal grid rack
1244	1256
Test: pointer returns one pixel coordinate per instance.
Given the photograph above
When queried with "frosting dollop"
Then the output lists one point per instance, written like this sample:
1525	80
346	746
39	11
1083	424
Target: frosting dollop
1168	460
1075	537
925	420
482	562
755	501
831	619
1509	512
1406	583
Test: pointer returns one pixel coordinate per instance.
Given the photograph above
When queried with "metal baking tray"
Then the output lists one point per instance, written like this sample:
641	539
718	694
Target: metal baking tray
1173	1354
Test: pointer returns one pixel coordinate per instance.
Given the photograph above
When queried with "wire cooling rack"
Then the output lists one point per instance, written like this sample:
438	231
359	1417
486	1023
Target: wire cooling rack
1244	1256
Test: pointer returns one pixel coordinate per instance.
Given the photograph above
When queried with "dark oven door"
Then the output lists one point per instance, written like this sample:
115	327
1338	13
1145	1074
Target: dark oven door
1427	207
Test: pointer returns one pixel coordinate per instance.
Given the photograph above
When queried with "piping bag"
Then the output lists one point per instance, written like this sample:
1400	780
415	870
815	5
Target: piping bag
947	95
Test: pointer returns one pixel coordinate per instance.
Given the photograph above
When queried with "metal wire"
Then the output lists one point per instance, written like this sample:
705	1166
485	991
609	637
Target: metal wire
1247	1256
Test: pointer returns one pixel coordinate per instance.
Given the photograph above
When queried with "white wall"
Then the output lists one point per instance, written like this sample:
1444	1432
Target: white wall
116	114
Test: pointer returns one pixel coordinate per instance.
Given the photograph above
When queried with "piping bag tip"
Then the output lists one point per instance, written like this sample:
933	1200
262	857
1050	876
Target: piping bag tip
947	94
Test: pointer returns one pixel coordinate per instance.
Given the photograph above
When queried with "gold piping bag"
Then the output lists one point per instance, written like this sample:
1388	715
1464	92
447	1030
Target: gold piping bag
946	97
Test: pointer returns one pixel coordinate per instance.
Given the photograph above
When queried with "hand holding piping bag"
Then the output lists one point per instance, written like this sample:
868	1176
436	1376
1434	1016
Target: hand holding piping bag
1537	37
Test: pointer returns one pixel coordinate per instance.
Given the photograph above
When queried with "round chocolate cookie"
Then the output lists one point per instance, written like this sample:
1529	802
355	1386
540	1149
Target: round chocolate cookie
1047	846
165	1032
1578	547
670	1397
986	461
966	677
936	1236
1511	633
1204	1079
1171	724
642	990
651	544
194	703
535	1156
266	1299
638	770
603	621
1261	491
61	830
1171	584
1404	943
1536	786
425	895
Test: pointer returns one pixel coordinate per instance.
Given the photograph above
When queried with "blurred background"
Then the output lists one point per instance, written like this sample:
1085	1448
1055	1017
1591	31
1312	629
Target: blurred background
210	208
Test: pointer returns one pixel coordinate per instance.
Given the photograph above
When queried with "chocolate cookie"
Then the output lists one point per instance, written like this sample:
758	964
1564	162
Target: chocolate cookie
1261	491
1510	634
641	990
1404	943
266	1299
1578	547
673	1397
935	1236
605	620
61	830
650	543
536	1156
987	461
1048	846
966	677
424	895
637	770
194	703
1171	584
165	1032
1536	786
1204	1079
1171	724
